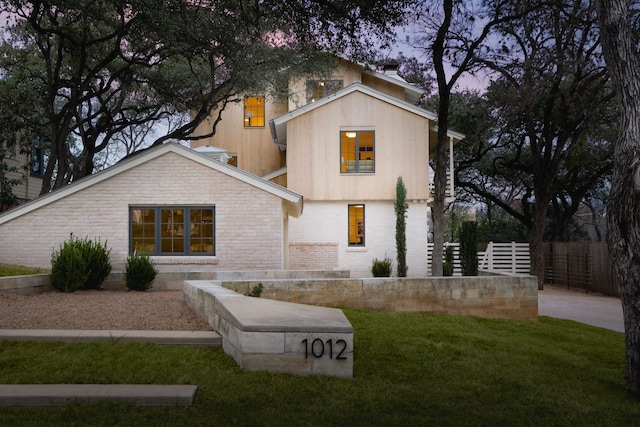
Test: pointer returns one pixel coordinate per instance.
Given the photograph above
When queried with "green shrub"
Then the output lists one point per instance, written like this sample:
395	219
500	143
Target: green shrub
69	269
256	291
139	273
79	264
381	268
447	265
469	248
97	257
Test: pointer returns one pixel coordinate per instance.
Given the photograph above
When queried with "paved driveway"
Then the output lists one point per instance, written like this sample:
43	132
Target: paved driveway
575	304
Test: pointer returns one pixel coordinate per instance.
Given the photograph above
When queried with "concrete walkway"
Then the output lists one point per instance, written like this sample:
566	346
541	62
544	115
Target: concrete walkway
576	304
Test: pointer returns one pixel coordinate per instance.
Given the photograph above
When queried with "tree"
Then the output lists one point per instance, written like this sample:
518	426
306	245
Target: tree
455	36
619	33
401	207
545	143
102	67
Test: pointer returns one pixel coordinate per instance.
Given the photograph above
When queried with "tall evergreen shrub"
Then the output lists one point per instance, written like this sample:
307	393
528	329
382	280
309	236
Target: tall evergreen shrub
401	207
469	248
79	264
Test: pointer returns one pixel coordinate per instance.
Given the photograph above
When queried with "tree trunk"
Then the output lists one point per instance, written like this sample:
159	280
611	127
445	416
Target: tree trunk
536	252
623	212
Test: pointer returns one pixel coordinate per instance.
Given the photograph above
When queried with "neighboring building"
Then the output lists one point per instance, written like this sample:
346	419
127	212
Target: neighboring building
341	142
188	211
28	170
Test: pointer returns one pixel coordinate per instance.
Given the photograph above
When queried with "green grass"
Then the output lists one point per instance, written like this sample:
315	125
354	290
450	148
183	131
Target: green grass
409	369
16	270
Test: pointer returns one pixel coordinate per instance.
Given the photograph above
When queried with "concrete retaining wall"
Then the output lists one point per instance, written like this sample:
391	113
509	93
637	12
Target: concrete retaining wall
494	296
268	335
26	285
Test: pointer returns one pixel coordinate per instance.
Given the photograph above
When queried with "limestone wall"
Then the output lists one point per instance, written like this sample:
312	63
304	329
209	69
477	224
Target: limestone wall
496	296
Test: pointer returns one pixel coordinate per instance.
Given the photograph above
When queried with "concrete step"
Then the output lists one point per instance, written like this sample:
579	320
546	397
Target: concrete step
193	338
61	394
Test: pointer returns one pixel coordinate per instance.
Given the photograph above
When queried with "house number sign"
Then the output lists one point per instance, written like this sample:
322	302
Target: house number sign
318	348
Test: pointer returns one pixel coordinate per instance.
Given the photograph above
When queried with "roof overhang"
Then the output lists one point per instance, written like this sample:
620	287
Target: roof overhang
412	93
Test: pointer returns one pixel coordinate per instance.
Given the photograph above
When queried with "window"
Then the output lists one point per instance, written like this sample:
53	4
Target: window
357	152
317	89
37	162
172	230
356	225
254	111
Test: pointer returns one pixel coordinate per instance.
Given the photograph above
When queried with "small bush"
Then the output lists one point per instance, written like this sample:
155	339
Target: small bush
139	273
69	269
447	265
97	257
79	264
256	291
381	268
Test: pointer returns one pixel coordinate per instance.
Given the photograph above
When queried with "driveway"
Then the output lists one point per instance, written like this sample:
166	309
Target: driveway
576	304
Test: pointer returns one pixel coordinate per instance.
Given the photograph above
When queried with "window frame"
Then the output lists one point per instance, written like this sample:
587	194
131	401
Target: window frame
246	117
344	169
186	225
359	223
326	84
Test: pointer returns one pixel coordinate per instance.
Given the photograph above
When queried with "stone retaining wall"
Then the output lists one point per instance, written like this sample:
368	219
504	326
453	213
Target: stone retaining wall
492	296
268	335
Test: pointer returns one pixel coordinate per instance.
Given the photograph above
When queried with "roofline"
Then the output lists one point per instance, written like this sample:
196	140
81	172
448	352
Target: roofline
293	201
355	87
408	87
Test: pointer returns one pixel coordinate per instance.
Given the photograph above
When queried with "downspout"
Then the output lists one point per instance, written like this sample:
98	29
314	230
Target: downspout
274	135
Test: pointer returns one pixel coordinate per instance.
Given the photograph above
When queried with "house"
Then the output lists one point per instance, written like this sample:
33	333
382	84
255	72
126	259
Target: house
188	211
341	141
26	171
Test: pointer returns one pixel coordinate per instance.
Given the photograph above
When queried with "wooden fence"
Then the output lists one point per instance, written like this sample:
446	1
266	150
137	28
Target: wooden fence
580	265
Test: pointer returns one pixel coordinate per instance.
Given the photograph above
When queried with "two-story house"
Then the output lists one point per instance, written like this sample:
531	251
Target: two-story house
341	142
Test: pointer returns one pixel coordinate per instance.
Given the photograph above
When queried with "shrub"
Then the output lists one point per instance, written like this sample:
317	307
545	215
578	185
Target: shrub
139	273
401	207
256	291
97	257
447	265
79	264
469	248
381	268
69	269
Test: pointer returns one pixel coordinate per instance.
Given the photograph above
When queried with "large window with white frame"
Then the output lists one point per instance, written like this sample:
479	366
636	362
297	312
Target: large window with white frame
356	225
357	151
172	230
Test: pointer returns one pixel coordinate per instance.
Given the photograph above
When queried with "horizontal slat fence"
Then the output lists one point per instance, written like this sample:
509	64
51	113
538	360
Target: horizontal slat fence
584	265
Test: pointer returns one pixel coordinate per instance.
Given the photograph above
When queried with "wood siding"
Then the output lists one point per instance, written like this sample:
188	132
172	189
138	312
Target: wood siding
401	149
254	147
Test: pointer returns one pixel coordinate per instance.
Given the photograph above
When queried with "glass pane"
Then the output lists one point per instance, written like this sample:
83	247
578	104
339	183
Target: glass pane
348	151
254	111
356	225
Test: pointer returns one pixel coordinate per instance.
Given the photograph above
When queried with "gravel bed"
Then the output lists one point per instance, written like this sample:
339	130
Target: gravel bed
101	310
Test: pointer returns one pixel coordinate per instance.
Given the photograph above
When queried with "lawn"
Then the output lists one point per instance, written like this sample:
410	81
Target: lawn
16	270
409	369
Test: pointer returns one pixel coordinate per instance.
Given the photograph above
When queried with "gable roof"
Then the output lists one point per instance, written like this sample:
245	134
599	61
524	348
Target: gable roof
293	202
278	125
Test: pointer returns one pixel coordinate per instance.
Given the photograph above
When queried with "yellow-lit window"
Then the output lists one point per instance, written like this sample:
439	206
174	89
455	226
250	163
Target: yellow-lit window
173	230
317	89
357	151
356	225
254	111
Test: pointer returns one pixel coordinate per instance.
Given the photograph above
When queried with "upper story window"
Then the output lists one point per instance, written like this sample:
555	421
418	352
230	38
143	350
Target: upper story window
254	111
172	230
317	89
357	151
37	162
